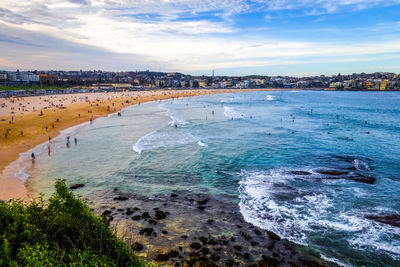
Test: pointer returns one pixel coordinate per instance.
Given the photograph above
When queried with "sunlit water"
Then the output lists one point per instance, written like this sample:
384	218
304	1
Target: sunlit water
243	148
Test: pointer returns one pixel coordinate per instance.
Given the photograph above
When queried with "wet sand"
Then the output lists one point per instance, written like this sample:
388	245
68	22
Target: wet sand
29	121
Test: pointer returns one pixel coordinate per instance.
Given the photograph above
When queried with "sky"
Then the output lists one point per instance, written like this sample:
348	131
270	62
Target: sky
233	37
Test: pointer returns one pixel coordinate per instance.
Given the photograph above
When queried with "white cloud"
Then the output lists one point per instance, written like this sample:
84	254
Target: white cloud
110	29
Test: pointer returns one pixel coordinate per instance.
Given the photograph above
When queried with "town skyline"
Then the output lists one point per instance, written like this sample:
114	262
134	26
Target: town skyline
233	37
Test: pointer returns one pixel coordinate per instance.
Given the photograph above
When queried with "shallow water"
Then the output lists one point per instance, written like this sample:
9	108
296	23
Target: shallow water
249	148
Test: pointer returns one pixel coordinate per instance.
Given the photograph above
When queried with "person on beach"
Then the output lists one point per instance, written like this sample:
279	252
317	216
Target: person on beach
33	156
48	151
76	141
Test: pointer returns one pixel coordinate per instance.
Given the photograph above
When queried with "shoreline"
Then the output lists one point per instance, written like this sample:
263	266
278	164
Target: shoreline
11	148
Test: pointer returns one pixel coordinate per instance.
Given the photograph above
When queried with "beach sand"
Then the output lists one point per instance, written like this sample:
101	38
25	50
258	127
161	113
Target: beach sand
29	121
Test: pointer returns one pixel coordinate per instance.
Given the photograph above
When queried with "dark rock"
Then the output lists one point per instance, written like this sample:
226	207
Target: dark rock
238	226
332	172
194	254
152	222
268	261
215	257
362	178
137	246
391	219
246	256
135	209
120	210
233	239
195	245
229	262
210	221
254	243
201	207
165	232
173	253
121	198
237	247
145	215
184	236
202	202
106	212
174	195
273	235
203	239
245	235
156	208
218	248
205	250
257	232
129	211
162	257
146	231
212	242
300	173
159	215
136	218
76	186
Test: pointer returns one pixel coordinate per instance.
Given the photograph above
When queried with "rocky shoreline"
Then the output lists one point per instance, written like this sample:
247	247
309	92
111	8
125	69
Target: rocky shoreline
186	229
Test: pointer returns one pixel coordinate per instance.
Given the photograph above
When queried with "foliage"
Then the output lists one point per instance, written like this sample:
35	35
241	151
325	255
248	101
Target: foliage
62	231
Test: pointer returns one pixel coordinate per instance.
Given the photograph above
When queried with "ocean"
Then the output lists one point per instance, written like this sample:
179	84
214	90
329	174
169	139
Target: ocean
310	166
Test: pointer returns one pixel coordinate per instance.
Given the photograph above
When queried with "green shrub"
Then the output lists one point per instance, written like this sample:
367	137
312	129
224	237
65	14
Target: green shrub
60	231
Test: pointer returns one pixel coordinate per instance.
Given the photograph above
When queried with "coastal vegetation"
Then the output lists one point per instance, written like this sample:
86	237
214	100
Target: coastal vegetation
62	231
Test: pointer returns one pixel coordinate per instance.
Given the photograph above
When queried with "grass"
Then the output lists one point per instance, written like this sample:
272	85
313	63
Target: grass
62	231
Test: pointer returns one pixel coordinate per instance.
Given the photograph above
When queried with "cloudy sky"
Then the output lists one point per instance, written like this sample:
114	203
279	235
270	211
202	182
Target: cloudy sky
234	37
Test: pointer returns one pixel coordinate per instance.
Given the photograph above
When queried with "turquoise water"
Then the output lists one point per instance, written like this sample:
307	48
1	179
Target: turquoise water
244	148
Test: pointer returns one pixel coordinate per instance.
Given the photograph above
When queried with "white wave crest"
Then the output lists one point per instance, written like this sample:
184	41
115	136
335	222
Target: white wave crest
162	138
232	113
361	165
270	98
202	144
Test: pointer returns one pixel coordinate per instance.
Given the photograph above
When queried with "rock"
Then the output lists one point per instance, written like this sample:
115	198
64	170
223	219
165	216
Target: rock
137	246
246	256
173	253
237	247
159	215
203	239
300	173
136	218
152	222
229	262
146	231
135	209
129	211
165	232
106	212
120	210
184	236
332	172
391	219
162	257
201	207
210	221
257	232
273	235
205	250
121	198
362	178
195	245
76	186
202	202
145	215
215	257
254	243
268	261
212	242
174	195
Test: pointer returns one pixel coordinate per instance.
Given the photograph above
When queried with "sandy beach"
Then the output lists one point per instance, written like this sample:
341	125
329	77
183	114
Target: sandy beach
29	121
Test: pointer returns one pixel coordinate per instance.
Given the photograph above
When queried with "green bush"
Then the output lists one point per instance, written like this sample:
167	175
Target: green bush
61	231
